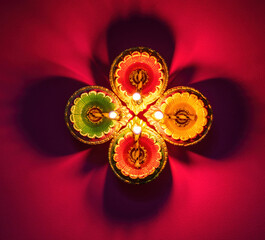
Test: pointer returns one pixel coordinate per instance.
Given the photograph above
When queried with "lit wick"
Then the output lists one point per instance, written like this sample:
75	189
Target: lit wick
158	115
113	115
137	150
137	98
137	129
95	115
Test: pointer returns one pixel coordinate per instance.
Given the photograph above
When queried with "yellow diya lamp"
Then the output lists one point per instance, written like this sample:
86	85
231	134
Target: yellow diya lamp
183	116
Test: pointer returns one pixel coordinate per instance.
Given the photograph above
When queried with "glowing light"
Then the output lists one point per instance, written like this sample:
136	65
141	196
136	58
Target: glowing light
113	115
158	115
136	96
137	129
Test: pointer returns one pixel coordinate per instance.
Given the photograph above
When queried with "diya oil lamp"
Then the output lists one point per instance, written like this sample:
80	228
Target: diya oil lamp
138	152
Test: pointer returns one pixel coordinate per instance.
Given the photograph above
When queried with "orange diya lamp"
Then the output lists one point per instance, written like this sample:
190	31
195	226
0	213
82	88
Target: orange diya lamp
182	116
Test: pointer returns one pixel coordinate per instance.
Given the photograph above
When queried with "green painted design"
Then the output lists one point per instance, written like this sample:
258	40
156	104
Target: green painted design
79	114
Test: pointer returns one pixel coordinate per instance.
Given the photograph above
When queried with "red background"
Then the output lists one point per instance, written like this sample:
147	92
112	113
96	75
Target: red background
52	187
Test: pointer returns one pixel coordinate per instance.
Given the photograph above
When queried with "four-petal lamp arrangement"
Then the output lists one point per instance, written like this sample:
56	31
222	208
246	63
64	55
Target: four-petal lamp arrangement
138	152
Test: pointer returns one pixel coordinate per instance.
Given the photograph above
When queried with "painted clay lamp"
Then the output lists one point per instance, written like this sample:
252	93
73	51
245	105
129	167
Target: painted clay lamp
94	114
138	76
138	152
187	116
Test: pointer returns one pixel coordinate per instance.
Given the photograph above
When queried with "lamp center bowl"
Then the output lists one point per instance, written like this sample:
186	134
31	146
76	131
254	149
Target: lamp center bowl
137	156
138	78
183	117
95	115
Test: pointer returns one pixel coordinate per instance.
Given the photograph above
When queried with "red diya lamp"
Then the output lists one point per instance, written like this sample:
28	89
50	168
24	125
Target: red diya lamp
138	76
137	152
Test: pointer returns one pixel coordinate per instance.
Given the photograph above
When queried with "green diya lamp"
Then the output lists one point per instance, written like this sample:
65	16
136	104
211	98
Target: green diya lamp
138	152
94	114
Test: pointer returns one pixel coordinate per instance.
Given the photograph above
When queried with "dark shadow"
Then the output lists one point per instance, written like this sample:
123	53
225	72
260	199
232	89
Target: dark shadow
231	113
133	203
41	116
100	72
97	157
136	31
181	77
179	153
140	31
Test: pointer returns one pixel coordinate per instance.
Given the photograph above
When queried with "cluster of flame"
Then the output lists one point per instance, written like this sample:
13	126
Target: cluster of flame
138	152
